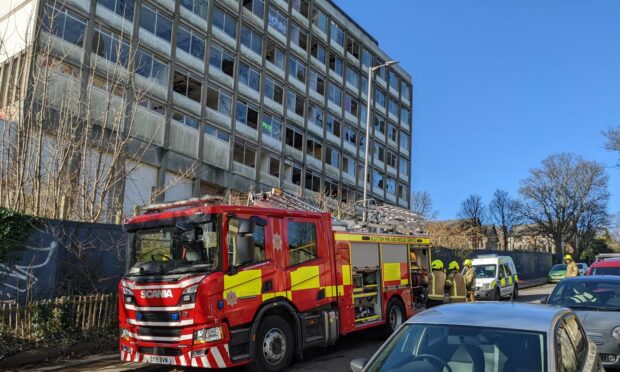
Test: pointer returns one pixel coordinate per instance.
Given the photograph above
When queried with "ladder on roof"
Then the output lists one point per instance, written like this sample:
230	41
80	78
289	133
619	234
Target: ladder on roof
380	218
191	202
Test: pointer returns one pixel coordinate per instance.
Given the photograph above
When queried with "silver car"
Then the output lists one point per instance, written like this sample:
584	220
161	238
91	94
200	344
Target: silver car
596	301
486	337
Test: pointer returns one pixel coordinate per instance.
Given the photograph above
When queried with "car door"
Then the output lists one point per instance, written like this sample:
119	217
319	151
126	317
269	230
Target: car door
503	280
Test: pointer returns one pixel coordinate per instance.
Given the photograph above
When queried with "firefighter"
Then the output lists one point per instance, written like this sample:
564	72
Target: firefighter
571	266
455	284
436	284
470	280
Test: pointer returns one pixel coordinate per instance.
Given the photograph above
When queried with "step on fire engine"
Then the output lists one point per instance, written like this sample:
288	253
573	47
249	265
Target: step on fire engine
214	285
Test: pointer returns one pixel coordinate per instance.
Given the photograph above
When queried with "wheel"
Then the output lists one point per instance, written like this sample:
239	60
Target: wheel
395	312
497	296
274	345
515	292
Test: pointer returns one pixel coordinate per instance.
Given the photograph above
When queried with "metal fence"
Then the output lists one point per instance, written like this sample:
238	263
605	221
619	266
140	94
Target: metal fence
87	313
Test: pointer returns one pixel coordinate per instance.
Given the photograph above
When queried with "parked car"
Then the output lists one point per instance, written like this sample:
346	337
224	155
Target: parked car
583	268
486	337
596	301
496	277
557	273
607	266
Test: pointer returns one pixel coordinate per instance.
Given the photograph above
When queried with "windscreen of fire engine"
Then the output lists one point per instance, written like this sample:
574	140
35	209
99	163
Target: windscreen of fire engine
417	347
485	271
173	250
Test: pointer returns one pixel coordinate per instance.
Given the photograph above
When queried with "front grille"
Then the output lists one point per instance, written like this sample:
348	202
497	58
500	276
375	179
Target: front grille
163	351
159	332
151	316
608	358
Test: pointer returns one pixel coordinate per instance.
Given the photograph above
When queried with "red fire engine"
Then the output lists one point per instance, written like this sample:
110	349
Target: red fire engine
214	285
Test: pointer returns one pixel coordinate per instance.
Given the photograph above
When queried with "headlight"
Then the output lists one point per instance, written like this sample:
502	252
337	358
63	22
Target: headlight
189	294
208	335
616	333
128	293
486	285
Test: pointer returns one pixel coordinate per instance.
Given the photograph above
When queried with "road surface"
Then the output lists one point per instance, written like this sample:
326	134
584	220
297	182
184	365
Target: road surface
335	358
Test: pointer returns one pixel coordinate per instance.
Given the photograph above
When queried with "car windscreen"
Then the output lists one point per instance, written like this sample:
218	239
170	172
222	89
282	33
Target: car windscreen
418	347
559	267
587	295
485	271
606	271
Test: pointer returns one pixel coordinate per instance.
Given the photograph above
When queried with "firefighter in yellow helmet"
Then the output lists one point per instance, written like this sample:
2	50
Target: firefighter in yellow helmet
470	280
455	283
436	284
571	266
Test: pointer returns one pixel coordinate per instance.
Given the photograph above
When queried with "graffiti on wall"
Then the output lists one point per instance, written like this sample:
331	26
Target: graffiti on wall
20	277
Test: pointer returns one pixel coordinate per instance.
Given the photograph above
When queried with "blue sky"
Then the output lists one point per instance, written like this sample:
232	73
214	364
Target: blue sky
500	85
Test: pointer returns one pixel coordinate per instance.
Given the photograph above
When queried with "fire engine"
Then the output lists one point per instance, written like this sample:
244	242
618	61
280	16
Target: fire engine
214	285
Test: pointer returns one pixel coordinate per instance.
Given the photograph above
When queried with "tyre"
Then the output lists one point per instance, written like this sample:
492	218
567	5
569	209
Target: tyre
497	296
395	316
515	292
274	345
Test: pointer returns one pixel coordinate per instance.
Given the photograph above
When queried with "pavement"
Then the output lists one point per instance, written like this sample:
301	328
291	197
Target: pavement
335	358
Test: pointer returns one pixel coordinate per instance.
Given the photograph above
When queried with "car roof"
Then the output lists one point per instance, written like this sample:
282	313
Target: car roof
593	278
505	315
608	262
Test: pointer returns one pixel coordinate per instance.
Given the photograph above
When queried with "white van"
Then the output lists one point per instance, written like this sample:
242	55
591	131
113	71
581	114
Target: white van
496	277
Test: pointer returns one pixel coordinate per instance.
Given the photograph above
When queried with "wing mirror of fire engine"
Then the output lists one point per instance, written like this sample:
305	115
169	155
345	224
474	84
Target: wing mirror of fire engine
245	249
357	365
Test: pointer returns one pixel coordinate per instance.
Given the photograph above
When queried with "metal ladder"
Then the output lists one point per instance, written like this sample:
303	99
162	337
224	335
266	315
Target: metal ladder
380	218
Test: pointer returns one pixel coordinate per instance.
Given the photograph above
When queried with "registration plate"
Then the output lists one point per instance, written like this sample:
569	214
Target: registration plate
158	359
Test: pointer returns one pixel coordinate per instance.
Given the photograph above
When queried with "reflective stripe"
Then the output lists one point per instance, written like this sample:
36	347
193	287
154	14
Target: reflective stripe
503	281
244	283
205	362
346	275
194	362
375	238
404	282
391	272
182	360
305	278
218	357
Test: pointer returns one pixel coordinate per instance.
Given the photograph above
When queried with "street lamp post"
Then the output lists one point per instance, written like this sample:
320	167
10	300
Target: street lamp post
370	71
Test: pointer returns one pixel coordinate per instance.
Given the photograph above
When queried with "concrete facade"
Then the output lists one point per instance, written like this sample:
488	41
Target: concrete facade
252	93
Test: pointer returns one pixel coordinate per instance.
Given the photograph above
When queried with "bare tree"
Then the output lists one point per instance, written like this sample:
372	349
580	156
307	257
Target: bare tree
564	195
422	203
473	210
74	134
504	212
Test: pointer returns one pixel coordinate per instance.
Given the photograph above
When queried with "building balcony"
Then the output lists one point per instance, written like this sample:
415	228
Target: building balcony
244	170
216	152
148	126
183	139
114	20
190	61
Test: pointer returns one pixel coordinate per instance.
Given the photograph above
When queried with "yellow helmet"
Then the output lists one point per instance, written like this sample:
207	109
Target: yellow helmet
453	265
467	262
437	265
568	257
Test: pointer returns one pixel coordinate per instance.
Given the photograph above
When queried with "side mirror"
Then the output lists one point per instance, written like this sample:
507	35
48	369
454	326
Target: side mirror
544	300
357	365
245	249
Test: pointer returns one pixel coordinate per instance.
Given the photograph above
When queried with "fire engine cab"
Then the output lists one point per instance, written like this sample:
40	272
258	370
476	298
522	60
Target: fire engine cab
214	285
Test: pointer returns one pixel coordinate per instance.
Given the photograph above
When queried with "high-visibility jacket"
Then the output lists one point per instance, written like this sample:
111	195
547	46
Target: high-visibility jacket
572	269
436	285
470	278
455	283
